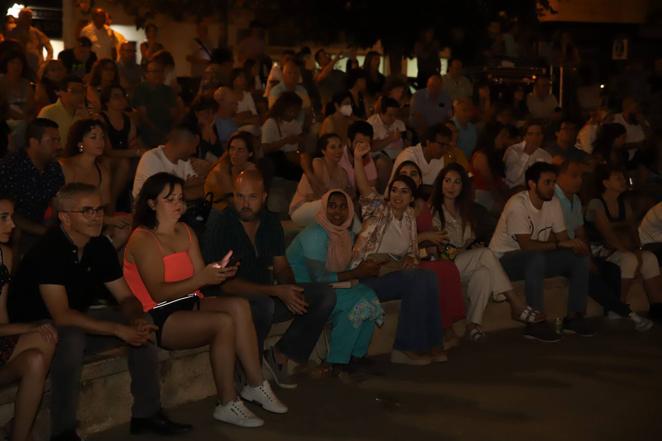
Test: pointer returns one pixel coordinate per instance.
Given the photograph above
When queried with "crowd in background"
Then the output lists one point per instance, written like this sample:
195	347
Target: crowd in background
161	210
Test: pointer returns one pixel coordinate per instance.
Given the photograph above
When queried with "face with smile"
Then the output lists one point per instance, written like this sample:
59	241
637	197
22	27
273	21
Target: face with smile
6	220
337	209
400	196
334	150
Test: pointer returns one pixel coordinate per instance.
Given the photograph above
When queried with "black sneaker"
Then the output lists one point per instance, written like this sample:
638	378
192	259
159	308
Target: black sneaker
542	332
577	326
655	312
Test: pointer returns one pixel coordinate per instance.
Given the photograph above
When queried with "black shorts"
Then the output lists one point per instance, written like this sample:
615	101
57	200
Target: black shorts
160	315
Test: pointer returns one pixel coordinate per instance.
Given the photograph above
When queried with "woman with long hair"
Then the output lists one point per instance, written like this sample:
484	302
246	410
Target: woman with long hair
164	269
26	349
50	75
480	270
374	78
104	74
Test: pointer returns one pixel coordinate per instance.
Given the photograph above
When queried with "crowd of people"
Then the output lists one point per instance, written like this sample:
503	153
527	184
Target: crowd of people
134	211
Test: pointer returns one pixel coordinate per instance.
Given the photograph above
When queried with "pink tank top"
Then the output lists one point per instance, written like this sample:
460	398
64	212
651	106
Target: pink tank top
176	267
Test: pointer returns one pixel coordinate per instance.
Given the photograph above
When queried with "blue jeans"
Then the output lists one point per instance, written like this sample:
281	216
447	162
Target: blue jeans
419	325
534	266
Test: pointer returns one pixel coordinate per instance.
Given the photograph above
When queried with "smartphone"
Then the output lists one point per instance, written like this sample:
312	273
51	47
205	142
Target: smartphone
225	261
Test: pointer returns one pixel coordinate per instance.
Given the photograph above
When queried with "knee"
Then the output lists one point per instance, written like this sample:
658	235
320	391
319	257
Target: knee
325	300
650	267
35	363
223	325
240	309
262	309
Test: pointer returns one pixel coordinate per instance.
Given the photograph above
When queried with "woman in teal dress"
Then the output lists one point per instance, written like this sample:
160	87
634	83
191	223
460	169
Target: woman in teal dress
322	253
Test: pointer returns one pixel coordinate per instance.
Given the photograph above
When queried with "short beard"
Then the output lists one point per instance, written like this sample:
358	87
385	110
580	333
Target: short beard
248	217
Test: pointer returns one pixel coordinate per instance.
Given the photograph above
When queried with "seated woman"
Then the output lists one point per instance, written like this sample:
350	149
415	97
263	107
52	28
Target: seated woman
481	271
239	157
122	148
338	117
51	73
488	168
202	115
327	174
388	238
322	253
612	231
451	301
453	154
104	74
26	349
246	116
86	144
164	269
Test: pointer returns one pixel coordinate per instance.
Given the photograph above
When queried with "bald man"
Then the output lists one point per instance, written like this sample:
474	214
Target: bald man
256	238
467	136
102	37
429	106
31	39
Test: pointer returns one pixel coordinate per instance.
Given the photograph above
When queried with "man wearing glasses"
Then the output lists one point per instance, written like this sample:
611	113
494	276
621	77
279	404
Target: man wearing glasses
68	108
59	280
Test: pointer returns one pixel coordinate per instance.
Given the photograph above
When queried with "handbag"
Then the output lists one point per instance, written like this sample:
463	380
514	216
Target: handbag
197	213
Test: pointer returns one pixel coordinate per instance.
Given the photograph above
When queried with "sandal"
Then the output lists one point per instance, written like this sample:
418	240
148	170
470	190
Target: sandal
476	335
530	315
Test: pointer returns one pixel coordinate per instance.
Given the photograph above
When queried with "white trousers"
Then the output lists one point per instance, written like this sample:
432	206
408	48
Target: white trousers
629	263
482	276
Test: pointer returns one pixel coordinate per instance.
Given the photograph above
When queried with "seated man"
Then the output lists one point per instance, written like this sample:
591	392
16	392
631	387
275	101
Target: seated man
604	279
429	106
428	154
69	107
532	243
175	158
31	177
387	142
565	146
519	157
650	231
257	240
67	271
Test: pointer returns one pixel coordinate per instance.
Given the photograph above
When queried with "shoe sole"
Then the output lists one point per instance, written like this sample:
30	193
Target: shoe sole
274	377
541	340
257	403
244	426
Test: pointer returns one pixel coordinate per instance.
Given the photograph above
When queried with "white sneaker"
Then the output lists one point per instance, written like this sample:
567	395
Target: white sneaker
641	324
235	412
264	396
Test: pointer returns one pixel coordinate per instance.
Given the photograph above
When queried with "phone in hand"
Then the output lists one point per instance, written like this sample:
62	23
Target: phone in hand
225	261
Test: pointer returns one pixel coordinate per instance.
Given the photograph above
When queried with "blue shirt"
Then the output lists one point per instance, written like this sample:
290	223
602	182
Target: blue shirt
434	110
572	211
467	137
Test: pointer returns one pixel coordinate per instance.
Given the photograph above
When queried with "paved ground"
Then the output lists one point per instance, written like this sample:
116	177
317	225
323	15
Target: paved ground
604	388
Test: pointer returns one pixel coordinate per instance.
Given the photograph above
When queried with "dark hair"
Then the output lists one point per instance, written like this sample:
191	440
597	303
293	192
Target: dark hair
368	60
323	141
13	55
285	101
77	132
106	93
533	122
318	52
84	41
409	182
236	73
387	102
163	57
486	143
204	102
564	120
362	127
337	99
536	170
185	126
99	66
603	173
604	142
355	75
151	26
463	202
244	136
144	215
439	129
36	129
565	165
407	164
70	79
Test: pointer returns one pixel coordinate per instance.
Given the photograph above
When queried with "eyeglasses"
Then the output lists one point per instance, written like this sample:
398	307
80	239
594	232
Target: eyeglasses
89	212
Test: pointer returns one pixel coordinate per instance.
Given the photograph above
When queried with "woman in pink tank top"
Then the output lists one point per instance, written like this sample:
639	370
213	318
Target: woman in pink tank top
164	268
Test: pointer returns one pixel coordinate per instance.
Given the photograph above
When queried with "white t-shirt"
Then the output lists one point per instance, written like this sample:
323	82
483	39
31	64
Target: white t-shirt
519	216
541	108
247	104
155	161
392	242
634	132
415	154
273	131
586	137
517	162
650	230
382	131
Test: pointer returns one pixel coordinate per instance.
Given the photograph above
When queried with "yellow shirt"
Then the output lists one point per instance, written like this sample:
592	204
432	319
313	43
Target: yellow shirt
56	112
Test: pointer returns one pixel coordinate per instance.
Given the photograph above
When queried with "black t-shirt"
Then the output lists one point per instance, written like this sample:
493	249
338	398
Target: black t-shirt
75	67
54	261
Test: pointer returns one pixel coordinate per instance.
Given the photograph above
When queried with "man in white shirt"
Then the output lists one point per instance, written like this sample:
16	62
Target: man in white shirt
635	125
175	158
387	142
589	132
521	156
102	37
650	231
428	155
532	243
456	85
541	103
290	83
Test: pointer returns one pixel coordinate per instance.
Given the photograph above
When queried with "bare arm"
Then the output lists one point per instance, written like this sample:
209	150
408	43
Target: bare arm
611	239
362	183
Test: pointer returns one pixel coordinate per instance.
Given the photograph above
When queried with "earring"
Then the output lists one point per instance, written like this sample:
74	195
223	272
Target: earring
81	148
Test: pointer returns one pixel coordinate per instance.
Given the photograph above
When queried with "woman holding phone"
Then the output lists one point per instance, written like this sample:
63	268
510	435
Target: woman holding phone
164	268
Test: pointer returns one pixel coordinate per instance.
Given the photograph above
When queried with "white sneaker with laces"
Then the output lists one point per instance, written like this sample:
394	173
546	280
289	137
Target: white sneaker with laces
264	396
641	324
235	412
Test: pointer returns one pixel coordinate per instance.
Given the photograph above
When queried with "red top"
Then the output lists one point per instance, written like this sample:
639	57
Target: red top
176	267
